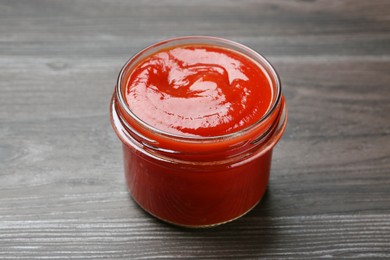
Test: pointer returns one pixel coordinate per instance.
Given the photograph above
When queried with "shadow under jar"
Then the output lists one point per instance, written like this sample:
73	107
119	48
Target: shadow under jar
188	168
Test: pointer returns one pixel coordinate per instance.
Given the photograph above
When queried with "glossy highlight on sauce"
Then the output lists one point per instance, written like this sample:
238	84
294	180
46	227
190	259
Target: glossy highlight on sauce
198	90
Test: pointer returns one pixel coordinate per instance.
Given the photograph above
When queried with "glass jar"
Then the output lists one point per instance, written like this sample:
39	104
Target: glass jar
197	181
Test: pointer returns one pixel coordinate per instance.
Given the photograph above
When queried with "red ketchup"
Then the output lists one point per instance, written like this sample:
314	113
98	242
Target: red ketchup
198	118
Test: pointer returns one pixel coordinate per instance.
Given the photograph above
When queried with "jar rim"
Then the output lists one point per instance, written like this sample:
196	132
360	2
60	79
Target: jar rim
259	59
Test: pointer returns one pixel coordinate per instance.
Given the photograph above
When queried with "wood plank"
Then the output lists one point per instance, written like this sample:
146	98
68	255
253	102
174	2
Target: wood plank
270	237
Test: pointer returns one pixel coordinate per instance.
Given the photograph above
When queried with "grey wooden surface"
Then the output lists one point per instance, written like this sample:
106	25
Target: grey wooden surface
62	190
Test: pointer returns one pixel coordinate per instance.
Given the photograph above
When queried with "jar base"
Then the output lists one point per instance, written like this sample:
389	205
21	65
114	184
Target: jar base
198	226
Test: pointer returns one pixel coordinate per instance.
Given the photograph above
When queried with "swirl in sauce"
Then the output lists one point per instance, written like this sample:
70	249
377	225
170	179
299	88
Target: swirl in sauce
198	90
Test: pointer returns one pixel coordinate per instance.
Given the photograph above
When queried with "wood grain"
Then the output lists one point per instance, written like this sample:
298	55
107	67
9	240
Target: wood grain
62	191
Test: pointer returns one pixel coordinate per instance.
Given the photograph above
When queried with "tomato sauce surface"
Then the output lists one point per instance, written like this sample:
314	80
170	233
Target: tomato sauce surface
198	90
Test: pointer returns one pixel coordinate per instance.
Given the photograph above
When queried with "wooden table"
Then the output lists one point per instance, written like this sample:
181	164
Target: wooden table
62	190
